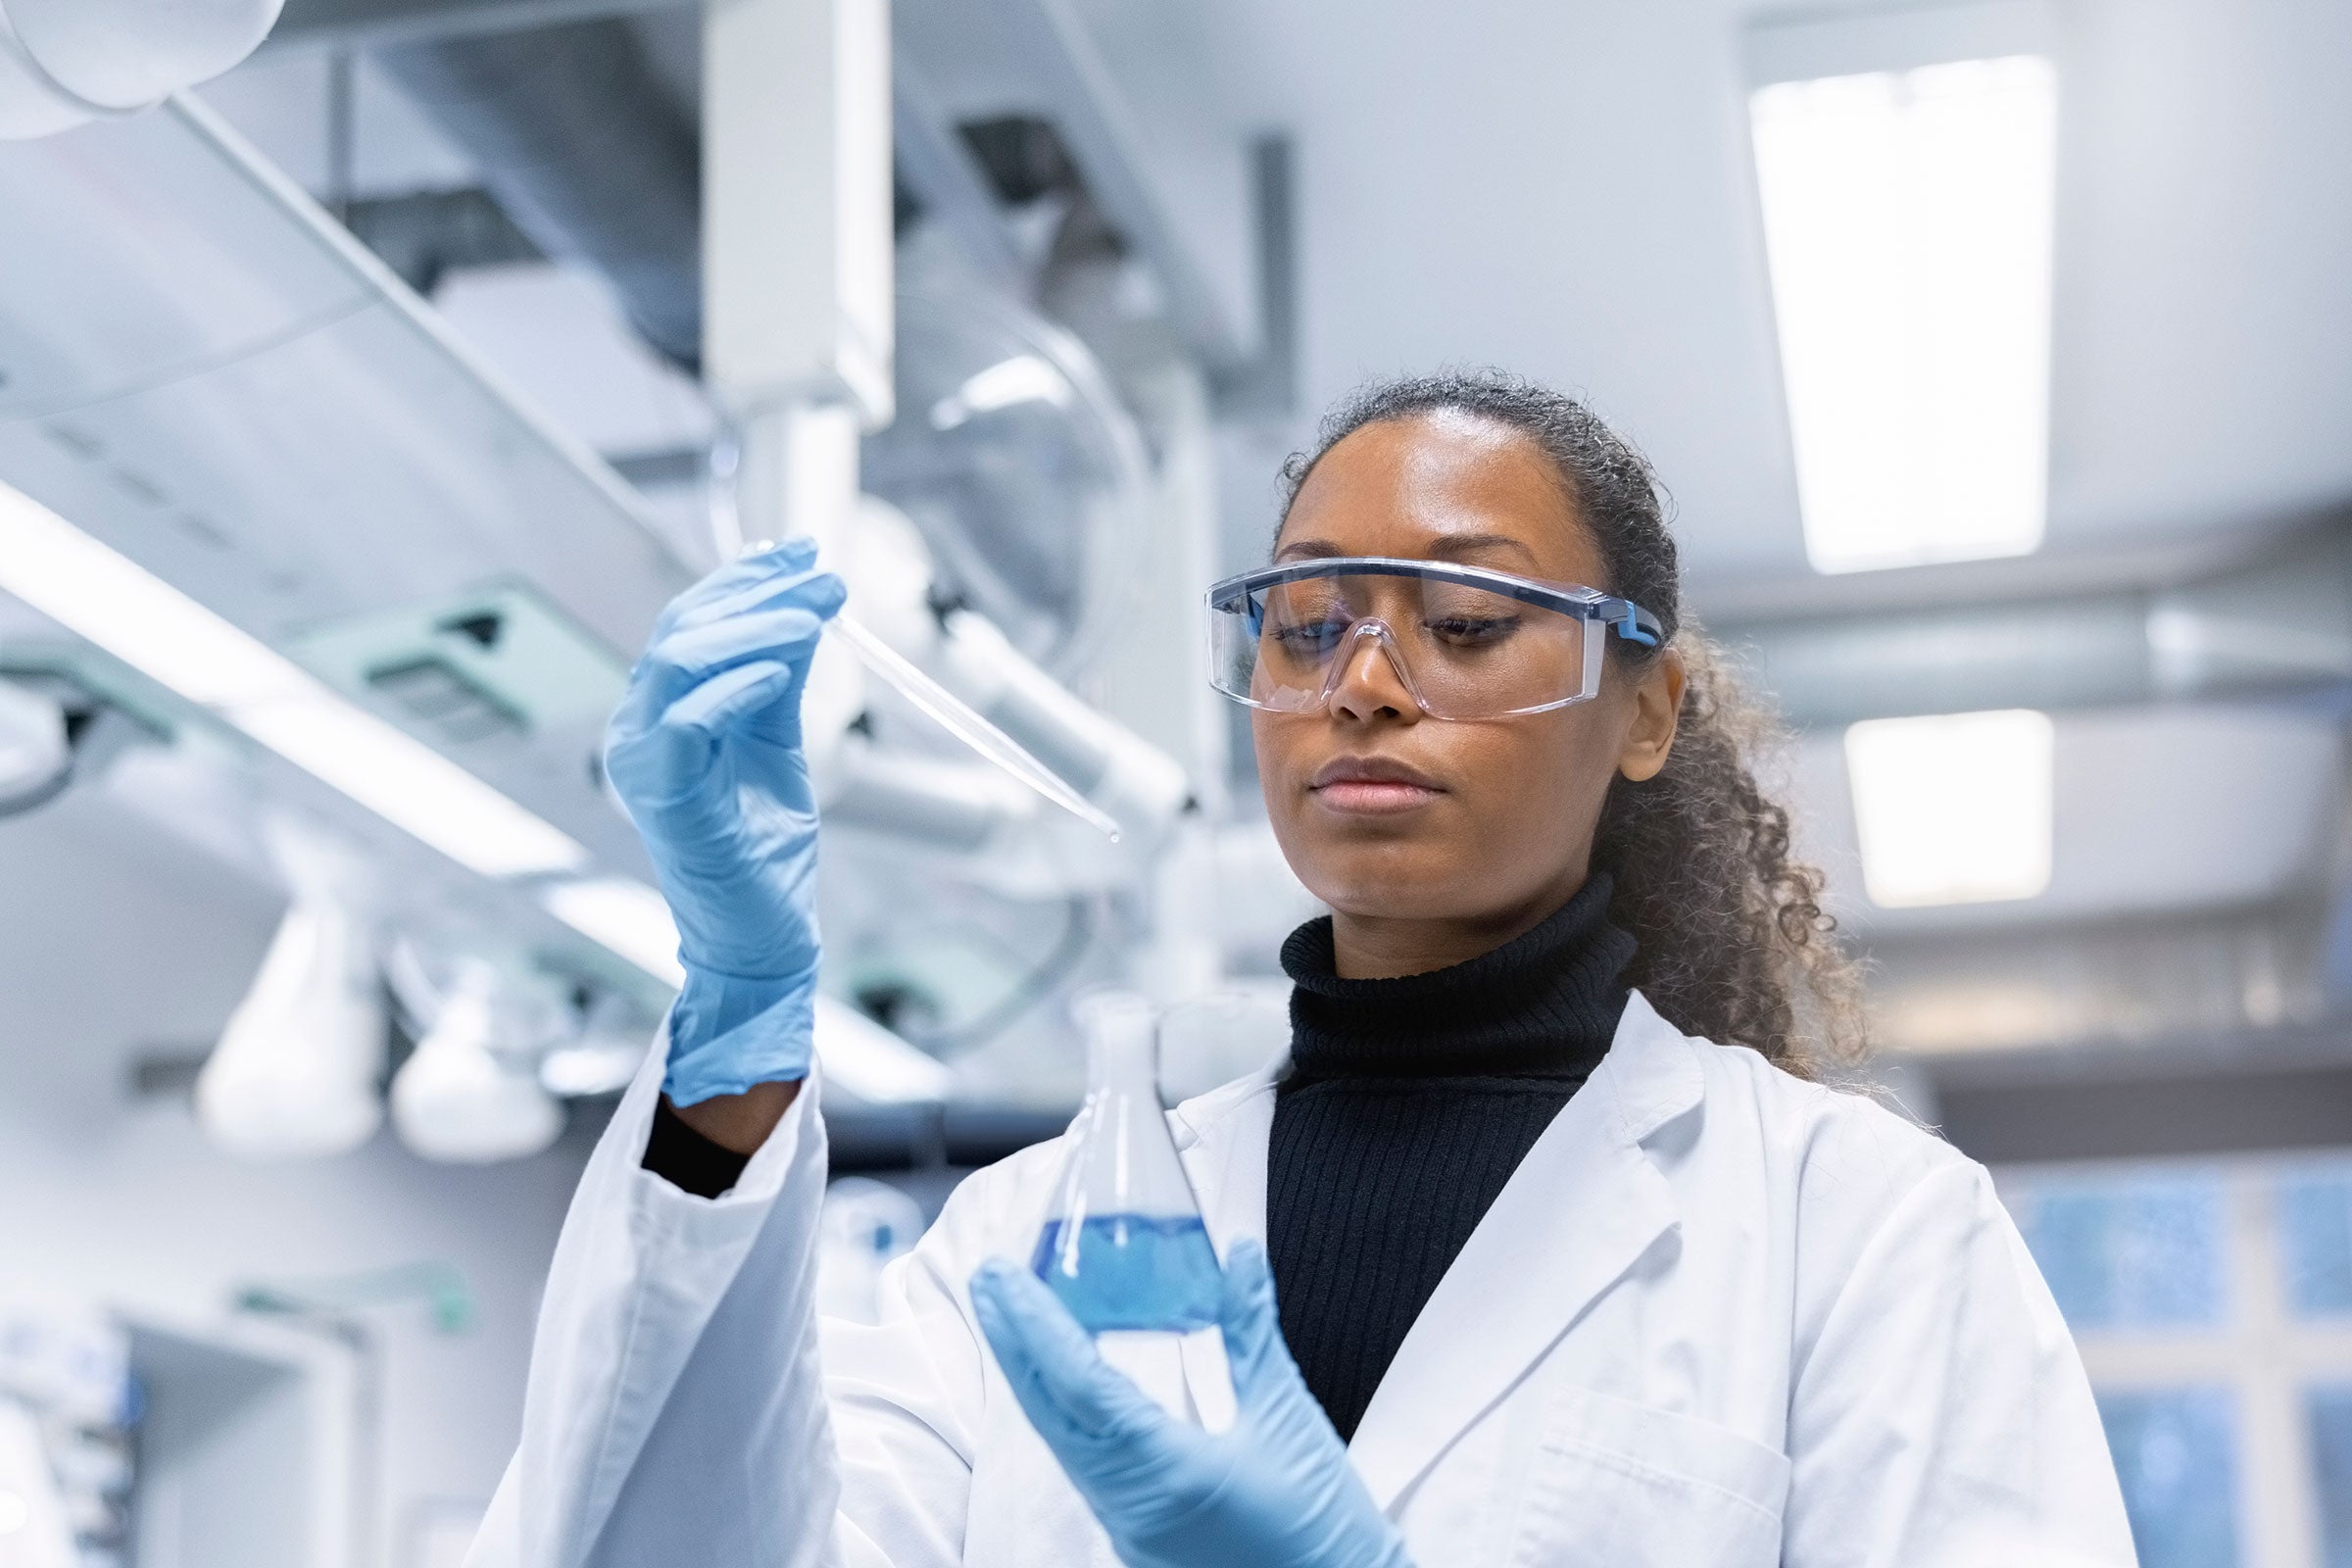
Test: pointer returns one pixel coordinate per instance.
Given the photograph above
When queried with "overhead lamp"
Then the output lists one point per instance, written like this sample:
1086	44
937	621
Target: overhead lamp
294	1075
456	1098
1908	217
1952	807
113	602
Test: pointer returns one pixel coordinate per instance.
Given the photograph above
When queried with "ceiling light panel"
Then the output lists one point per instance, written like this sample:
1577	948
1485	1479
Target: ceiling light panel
1953	808
1908	220
113	602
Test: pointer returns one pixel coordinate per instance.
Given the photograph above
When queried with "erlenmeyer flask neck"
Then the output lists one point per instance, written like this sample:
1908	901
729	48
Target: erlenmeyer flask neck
1123	1064
1122	1047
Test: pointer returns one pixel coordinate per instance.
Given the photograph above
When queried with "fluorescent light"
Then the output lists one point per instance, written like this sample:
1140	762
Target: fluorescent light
1952	808
623	915
117	605
1908	219
630	920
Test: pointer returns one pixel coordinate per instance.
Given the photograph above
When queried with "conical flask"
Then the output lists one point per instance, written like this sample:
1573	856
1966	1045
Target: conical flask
1123	1244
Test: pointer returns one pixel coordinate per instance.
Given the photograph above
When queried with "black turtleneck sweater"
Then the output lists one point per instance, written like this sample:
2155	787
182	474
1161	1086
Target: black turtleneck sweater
1408	1105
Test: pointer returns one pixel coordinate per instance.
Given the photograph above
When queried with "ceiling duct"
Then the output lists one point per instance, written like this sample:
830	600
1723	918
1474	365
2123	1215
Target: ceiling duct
580	143
2276	626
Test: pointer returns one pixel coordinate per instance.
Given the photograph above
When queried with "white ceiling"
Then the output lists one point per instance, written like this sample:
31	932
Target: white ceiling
1564	189
2158	809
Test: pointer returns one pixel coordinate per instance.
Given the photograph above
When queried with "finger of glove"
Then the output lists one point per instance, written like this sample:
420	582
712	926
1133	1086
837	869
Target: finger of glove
806	586
791	557
670	764
1251	1324
819	593
681	660
1059	1378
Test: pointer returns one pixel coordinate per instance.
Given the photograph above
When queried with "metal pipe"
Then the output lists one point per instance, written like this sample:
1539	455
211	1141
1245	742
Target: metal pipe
2279	626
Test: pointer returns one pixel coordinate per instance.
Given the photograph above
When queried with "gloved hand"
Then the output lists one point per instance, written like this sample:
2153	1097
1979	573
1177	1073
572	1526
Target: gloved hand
1276	1490
705	754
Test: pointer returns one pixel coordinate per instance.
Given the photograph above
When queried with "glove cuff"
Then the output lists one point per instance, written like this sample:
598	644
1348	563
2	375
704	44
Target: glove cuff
728	1033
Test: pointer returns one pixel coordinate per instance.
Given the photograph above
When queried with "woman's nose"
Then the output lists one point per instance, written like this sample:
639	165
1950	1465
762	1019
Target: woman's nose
1370	683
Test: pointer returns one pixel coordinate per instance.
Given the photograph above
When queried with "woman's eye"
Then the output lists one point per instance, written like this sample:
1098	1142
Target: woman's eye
1311	637
1473	632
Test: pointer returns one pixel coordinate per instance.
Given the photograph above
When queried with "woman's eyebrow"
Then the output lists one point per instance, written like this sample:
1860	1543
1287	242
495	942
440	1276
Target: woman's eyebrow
1450	546
1454	546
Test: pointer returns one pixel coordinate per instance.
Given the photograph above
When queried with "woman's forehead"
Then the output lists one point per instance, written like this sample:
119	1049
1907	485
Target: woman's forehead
1444	485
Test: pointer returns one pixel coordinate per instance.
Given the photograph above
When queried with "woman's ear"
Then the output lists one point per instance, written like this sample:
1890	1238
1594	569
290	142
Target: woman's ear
1657	710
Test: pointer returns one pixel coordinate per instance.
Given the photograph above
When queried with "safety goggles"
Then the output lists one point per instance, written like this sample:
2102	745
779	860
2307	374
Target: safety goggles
1465	642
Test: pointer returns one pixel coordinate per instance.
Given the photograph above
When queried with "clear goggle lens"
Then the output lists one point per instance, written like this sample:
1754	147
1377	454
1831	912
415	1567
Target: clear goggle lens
1459	649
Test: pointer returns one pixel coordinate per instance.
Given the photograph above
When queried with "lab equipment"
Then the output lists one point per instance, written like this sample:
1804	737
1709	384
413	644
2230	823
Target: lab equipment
705	754
1466	642
1123	1243
1275	1490
962	721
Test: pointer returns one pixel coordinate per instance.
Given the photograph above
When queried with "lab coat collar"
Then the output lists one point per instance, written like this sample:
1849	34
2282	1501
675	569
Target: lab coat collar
1586	1203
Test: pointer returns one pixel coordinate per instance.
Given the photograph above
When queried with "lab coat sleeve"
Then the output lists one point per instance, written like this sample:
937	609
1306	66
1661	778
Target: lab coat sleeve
676	1409
1941	1418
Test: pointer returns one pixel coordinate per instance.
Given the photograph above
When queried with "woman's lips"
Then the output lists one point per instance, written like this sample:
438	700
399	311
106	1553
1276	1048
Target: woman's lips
1370	786
1372	797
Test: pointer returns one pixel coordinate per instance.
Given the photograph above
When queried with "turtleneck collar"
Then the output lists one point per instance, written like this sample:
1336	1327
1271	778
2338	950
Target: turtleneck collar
1546	1002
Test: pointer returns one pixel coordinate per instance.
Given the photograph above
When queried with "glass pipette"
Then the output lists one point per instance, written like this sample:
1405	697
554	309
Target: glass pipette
965	722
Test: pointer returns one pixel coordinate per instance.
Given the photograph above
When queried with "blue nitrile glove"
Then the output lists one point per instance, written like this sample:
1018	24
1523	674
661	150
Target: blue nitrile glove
705	754
1276	1490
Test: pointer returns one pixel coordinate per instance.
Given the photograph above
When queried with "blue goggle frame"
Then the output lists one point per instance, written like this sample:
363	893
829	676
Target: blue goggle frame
1625	618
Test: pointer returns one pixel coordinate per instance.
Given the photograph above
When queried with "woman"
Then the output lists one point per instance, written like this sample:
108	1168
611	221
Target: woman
1560	1280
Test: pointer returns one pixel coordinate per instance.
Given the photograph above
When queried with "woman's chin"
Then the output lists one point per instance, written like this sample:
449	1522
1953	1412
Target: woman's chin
1393	891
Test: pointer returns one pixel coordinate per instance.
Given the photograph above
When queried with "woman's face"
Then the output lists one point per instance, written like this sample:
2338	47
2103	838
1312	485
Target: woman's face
1396	820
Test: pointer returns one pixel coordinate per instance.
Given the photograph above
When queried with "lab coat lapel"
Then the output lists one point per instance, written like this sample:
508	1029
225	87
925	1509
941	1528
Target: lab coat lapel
1584	1203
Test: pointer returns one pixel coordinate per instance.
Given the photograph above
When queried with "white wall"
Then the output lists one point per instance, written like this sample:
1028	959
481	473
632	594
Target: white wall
113	940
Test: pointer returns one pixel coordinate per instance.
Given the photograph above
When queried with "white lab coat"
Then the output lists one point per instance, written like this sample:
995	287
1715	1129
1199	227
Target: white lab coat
1718	1318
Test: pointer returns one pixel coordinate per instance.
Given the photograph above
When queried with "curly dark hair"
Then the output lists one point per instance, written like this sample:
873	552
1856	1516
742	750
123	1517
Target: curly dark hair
1733	943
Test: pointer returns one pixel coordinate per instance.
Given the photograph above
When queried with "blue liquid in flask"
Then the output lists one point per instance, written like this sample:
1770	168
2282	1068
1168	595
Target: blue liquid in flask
1134	1271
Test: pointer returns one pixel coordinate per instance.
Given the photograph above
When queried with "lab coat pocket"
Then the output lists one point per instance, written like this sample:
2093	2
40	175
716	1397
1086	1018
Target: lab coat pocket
1625	1485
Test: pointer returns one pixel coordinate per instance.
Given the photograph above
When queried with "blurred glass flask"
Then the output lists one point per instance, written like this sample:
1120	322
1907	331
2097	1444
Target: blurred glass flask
1123	1244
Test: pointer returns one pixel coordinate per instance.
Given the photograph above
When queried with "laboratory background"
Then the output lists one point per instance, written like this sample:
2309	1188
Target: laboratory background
372	371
